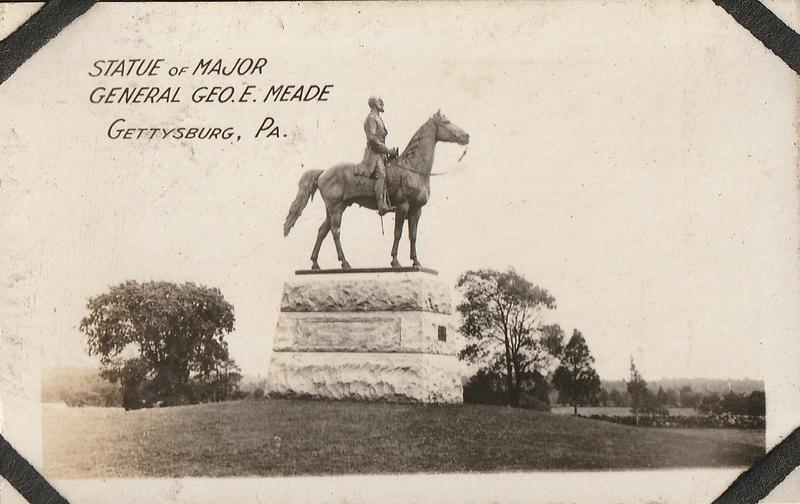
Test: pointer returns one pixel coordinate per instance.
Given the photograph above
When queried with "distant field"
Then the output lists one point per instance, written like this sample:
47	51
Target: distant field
285	437
612	411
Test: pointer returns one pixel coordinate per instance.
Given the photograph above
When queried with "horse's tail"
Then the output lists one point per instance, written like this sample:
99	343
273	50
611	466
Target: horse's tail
305	190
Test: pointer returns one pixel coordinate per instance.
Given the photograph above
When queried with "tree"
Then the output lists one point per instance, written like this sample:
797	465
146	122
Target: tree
733	403
672	400
541	387
615	398
661	397
743	404
222	383
756	403
638	392
689	399
502	320
604	398
575	377
709	404
162	342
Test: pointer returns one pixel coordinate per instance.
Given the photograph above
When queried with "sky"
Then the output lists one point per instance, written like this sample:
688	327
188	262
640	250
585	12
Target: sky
642	172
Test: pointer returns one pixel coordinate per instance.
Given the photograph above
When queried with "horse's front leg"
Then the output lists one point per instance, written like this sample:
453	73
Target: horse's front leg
413	221
336	228
399	220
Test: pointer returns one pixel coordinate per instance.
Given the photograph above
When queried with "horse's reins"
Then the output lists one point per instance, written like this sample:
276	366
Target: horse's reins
432	174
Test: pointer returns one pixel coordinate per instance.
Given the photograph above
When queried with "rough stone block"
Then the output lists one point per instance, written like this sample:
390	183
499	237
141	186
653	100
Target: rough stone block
394	377
387	292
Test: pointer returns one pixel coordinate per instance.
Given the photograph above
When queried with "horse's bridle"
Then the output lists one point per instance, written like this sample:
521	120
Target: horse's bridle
431	174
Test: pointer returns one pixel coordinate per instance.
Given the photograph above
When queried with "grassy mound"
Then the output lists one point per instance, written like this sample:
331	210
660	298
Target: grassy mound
286	437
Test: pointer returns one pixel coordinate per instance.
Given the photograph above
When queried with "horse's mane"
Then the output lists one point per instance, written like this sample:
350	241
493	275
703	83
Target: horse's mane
413	144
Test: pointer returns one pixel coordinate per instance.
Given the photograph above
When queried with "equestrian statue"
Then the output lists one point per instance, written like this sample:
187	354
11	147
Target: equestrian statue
385	181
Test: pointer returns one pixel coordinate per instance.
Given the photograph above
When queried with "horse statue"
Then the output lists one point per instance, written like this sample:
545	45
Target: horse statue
407	183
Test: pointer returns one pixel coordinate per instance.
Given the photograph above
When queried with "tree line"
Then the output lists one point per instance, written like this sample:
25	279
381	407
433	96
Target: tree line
524	361
164	344
642	399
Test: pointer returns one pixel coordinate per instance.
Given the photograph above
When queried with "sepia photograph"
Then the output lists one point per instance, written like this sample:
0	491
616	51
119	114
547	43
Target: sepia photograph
252	245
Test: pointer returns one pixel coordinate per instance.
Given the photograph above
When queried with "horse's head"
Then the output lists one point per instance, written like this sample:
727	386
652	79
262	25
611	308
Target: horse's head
447	131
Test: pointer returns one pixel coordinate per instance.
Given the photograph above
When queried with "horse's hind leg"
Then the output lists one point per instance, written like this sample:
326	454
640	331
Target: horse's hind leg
321	234
336	226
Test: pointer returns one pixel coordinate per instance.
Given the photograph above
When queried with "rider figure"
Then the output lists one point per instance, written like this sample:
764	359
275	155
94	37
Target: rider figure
376	153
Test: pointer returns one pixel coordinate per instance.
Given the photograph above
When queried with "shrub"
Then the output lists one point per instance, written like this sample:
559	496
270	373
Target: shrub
652	407
530	401
723	421
488	387
485	387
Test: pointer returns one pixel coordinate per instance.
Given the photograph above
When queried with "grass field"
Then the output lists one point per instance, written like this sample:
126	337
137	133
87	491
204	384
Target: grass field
287	437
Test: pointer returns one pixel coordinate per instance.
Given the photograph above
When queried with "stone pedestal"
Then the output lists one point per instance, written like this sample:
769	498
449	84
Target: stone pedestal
376	335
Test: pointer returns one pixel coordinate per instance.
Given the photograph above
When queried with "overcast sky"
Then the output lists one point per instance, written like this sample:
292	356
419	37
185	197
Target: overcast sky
643	173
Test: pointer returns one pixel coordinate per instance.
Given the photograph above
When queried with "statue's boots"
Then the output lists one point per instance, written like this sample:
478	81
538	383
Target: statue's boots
381	197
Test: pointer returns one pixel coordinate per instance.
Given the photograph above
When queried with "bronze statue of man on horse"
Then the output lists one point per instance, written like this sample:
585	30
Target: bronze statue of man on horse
401	182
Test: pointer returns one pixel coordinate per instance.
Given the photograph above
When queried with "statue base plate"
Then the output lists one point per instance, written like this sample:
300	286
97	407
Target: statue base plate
408	269
373	337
